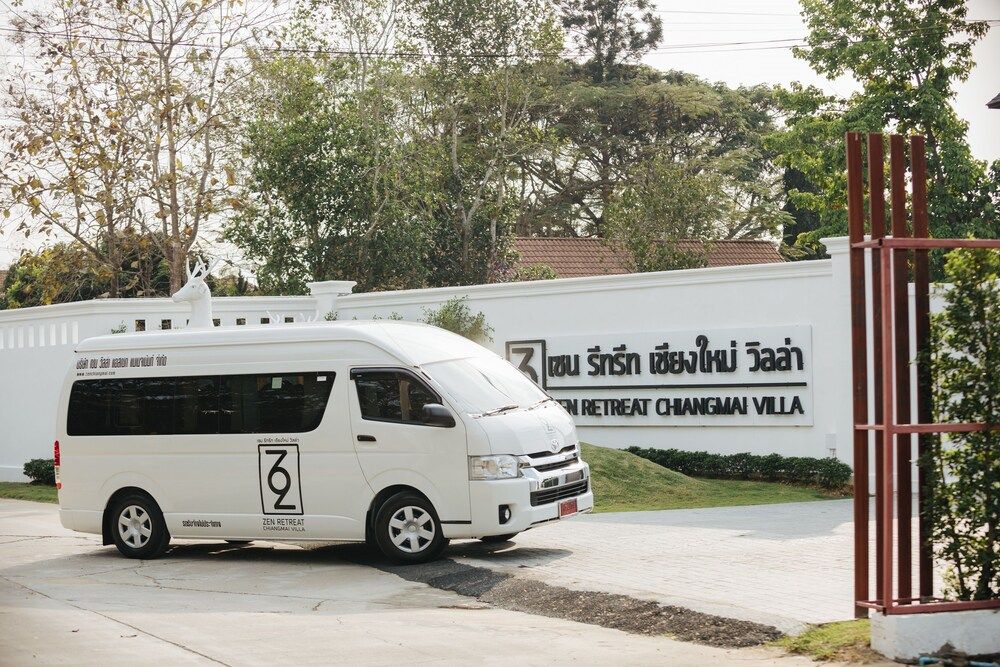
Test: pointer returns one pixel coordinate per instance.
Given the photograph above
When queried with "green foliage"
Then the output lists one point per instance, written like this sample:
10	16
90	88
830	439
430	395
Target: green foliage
907	56
602	137
828	473
534	272
325	196
392	174
404	174
612	34
455	315
964	484
41	471
663	205
69	272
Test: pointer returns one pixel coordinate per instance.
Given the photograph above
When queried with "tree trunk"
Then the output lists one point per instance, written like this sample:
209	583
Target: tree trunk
178	269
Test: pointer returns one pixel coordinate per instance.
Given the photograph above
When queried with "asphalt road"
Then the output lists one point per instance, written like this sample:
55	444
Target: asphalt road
65	599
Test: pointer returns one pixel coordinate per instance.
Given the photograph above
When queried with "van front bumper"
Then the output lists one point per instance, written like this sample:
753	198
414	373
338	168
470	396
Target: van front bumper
550	491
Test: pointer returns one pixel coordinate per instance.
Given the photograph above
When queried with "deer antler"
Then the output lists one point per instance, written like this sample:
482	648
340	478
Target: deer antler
199	269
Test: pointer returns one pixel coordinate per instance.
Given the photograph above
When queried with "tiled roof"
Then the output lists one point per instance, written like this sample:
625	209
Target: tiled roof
578	257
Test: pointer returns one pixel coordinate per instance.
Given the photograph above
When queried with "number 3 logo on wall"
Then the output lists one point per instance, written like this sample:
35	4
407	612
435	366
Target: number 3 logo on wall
280	486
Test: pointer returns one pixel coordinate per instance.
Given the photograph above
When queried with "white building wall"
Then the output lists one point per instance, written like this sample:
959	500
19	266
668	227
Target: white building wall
33	359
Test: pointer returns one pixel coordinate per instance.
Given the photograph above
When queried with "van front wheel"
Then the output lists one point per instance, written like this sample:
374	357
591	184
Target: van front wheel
138	528
407	529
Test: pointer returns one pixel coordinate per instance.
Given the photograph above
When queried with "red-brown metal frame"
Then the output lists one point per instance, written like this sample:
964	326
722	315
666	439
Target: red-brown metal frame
893	428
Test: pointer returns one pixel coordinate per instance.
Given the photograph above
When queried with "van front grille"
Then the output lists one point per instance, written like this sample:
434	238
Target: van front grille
542	455
546	496
545	467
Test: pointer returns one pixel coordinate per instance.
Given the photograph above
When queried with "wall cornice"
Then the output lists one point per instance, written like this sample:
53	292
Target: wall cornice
737	274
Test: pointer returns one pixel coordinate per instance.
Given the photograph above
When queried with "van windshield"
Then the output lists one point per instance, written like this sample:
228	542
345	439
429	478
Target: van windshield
486	384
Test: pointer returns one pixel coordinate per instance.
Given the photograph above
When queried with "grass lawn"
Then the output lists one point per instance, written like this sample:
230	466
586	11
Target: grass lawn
37	492
845	641
624	482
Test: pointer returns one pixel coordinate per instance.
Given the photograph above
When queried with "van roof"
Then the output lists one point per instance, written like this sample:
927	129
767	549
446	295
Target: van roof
410	342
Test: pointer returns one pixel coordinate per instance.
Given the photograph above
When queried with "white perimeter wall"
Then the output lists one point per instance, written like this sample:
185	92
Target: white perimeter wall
38	343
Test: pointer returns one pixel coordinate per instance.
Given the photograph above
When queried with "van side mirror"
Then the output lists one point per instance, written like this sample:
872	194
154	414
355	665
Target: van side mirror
435	414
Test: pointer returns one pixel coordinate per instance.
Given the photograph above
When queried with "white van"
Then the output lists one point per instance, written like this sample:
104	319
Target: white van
402	435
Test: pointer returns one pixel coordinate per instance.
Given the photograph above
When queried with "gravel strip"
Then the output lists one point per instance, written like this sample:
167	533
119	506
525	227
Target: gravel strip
608	610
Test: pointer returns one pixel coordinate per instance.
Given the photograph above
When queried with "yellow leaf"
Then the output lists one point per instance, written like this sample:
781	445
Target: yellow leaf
230	175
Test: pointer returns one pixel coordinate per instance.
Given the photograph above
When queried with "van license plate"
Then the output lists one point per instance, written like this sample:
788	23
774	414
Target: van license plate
567	507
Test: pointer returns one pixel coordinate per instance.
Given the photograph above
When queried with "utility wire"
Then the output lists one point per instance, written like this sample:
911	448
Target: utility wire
666	49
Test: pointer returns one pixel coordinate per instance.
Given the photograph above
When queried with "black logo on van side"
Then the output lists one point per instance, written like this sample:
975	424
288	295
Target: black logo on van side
280	481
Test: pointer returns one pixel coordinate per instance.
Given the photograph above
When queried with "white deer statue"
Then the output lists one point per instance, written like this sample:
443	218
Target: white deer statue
198	294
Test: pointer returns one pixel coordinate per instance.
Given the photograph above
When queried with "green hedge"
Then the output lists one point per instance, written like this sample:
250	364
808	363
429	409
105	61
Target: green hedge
828	473
41	471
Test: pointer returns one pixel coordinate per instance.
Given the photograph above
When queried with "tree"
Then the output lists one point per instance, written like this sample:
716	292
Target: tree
964	480
72	166
391	173
611	35
664	204
69	271
592	113
602	132
326	182
475	90
181	78
906	56
124	126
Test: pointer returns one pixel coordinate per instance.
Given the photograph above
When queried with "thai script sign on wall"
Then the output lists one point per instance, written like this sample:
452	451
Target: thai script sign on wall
719	377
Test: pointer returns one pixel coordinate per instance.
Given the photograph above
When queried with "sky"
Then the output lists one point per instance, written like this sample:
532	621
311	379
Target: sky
719	23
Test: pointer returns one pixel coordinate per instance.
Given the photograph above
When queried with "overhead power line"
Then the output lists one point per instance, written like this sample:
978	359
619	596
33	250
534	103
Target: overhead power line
692	47
690	11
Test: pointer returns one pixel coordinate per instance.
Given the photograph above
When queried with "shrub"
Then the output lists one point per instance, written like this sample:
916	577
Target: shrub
455	316
534	272
41	471
828	473
962	496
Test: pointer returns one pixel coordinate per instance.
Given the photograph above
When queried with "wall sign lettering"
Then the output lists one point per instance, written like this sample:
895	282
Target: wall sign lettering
719	377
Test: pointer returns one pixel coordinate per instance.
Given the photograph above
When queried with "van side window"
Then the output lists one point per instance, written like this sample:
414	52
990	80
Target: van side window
274	403
209	404
392	396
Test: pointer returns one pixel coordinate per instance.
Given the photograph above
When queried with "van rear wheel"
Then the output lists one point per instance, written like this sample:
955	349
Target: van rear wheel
138	528
407	529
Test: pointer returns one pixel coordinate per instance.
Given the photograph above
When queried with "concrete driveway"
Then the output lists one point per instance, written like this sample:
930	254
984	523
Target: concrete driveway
64	599
785	565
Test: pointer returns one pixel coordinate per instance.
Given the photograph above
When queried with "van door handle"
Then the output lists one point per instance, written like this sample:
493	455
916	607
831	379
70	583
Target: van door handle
366	438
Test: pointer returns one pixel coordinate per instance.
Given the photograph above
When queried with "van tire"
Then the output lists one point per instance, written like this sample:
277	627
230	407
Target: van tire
404	511
495	539
144	515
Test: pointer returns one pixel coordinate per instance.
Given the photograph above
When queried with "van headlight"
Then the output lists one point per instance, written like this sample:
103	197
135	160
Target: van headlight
495	466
